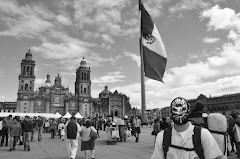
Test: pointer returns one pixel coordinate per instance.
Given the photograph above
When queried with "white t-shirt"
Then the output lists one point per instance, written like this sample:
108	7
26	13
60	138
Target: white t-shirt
1	125
184	139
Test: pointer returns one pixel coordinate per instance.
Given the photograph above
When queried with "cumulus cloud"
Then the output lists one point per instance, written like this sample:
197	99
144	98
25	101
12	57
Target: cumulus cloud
24	21
184	5
210	40
40	81
222	18
106	16
65	20
134	57
111	77
233	35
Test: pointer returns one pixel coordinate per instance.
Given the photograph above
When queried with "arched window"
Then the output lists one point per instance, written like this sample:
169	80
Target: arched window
24	70
26	86
22	86
85	91
88	76
81	88
27	70
30	71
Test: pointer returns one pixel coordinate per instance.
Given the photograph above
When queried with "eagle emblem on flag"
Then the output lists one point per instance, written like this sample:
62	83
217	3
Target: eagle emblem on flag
150	39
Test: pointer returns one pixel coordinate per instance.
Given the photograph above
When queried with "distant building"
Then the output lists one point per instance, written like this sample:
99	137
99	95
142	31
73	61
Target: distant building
165	112
224	104
112	104
8	107
52	98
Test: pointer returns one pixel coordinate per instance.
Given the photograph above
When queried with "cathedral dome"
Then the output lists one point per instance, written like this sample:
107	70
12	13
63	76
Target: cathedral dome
105	92
28	55
83	63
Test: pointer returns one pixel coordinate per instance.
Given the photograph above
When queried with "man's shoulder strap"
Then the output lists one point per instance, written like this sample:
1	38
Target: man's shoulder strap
197	142
167	137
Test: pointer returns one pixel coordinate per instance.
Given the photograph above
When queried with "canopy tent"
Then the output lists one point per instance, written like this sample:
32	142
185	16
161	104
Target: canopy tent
67	115
78	116
57	115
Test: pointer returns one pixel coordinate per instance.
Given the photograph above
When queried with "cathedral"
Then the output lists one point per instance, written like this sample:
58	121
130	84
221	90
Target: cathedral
53	97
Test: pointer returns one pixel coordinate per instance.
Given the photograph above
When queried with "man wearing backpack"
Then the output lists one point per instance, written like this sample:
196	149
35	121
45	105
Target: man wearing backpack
184	140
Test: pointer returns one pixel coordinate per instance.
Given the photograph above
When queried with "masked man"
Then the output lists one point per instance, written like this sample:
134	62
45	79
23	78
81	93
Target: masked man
184	140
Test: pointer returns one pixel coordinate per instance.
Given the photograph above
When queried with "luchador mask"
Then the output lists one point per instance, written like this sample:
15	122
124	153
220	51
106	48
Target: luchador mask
180	110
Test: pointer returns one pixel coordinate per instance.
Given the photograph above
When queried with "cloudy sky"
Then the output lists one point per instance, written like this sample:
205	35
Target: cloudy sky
201	37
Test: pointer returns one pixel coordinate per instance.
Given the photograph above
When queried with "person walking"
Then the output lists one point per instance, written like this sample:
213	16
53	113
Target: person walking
60	128
27	127
156	128
34	121
1	126
53	128
136	125
236	123
86	142
15	132
73	130
6	122
46	126
184	140
39	128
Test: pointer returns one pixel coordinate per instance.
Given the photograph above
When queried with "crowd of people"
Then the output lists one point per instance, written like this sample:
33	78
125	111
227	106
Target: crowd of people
21	130
24	130
186	134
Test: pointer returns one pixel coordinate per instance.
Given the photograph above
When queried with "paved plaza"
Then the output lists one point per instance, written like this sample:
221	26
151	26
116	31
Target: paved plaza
56	149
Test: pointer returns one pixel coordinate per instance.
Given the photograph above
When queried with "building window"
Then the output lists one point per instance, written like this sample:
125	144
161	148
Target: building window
24	111
24	107
13	111
27	70
26	86
8	111
31	71
4	110
25	103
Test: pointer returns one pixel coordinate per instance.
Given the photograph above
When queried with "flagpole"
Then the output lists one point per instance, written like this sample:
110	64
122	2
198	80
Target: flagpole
143	106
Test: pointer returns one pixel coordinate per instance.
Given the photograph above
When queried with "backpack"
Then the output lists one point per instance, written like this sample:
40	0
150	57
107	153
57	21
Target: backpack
217	125
196	139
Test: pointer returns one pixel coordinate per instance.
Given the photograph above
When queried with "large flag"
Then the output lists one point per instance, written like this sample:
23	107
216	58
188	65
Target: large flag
154	53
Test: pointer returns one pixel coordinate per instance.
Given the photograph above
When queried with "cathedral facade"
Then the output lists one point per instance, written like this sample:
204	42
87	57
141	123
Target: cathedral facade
112	104
52	98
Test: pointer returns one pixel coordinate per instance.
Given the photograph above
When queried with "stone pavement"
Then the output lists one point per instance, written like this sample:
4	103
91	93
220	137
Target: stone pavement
56	149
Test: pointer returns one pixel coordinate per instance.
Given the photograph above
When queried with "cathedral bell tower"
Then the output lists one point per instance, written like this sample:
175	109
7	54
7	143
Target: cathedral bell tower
83	81
26	83
83	89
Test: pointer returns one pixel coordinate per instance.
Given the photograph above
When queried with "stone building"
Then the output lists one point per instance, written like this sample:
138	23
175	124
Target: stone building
8	107
224	104
112	104
52	98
